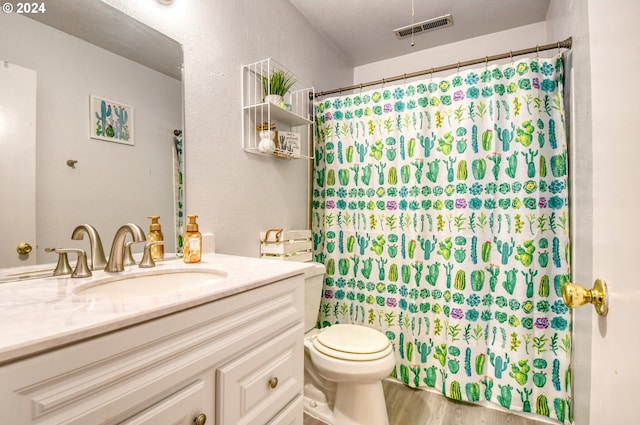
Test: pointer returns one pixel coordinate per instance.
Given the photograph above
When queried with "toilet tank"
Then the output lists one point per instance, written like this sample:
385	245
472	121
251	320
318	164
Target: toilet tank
313	282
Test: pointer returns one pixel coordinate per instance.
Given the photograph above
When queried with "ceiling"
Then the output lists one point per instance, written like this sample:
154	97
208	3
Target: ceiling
363	29
107	27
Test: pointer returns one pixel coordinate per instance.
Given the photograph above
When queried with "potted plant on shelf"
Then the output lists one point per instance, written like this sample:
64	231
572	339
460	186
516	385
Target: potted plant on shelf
276	86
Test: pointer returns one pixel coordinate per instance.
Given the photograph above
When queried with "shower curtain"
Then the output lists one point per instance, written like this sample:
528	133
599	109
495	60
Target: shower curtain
440	209
178	173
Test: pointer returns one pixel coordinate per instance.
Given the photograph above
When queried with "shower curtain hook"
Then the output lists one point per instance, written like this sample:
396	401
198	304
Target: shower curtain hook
558	47
537	51
458	68
486	62
511	56
383	83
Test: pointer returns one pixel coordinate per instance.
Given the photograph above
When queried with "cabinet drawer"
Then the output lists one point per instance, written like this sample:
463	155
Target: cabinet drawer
260	383
180	408
291	415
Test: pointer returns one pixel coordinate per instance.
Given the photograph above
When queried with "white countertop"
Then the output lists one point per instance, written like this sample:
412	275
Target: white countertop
41	314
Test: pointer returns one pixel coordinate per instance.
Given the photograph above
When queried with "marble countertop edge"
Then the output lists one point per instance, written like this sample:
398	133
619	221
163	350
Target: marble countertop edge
31	323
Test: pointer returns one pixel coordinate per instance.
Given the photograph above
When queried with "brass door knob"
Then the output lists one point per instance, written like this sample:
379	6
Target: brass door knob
200	419
273	382
575	295
24	248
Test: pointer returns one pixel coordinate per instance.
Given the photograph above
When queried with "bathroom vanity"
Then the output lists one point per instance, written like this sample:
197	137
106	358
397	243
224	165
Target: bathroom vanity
226	353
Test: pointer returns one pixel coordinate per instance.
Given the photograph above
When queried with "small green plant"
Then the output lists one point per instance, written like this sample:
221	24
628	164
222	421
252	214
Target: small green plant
278	83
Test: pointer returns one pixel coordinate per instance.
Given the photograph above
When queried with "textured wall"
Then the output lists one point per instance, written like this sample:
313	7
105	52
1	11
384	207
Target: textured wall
238	194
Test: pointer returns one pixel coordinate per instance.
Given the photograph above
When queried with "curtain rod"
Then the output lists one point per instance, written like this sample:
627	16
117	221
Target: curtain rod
565	44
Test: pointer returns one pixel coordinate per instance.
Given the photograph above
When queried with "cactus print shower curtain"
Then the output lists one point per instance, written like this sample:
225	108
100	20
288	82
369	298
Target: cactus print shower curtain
440	210
178	173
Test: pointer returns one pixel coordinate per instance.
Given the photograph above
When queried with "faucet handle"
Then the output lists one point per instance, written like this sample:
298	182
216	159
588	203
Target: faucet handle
62	267
147	258
128	256
82	268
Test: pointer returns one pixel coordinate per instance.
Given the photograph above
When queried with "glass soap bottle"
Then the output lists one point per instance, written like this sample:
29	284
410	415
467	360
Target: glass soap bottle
155	235
192	252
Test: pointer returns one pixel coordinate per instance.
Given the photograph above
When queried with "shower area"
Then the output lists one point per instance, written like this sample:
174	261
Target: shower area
440	208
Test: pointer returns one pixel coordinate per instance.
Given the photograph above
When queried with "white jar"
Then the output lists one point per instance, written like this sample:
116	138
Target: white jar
267	144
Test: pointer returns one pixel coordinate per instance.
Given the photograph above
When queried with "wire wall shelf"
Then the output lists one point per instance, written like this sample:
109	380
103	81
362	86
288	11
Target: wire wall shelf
286	121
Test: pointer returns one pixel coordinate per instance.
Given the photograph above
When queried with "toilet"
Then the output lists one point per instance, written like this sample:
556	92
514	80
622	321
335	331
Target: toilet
344	366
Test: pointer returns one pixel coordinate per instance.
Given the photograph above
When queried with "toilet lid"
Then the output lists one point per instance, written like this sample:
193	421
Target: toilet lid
352	342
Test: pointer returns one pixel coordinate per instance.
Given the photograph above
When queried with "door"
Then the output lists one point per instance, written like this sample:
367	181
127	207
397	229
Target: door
17	164
615	341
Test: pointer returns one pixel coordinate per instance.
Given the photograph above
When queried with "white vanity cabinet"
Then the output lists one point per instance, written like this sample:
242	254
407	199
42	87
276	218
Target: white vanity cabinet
236	360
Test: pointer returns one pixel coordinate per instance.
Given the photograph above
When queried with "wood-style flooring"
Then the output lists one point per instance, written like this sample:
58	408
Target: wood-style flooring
407	406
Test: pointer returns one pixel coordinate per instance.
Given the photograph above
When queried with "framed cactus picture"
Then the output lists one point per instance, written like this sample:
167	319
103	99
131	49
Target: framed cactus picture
111	121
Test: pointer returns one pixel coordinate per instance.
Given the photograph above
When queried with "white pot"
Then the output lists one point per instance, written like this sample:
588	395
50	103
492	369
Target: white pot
275	99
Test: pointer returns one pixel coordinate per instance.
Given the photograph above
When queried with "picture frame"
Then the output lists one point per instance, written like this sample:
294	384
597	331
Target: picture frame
289	143
111	121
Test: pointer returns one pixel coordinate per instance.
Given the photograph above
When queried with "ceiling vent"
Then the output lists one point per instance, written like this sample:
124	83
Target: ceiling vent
424	26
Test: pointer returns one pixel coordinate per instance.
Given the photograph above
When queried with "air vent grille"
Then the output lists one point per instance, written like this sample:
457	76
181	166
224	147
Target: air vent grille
420	27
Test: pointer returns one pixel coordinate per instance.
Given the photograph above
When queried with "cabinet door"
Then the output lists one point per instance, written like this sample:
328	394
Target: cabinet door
180	408
256	386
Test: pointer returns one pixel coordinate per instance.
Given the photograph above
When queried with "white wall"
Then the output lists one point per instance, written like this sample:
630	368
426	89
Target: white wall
237	194
100	190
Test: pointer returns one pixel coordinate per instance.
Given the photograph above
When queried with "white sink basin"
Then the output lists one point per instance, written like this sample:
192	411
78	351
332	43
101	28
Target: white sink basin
152	285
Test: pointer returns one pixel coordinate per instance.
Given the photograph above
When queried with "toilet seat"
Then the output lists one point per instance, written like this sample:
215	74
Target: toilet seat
352	342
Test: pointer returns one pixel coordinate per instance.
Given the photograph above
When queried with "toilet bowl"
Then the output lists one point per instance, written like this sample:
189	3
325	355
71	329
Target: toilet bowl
344	368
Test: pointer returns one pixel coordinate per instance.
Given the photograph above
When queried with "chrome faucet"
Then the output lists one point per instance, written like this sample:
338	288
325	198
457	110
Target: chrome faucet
98	262
116	257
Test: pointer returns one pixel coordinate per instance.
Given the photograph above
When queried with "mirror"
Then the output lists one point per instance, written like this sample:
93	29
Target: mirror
79	50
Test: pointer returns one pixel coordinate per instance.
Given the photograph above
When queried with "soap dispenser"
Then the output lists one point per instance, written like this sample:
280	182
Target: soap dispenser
192	241
155	235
